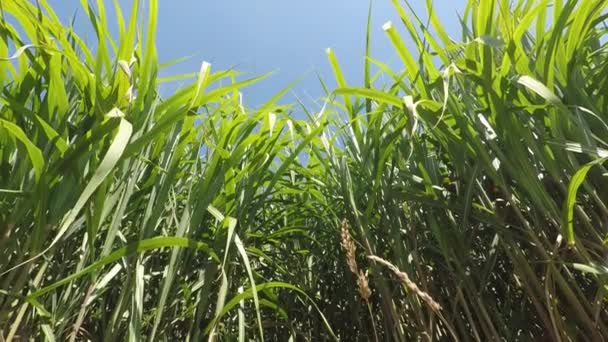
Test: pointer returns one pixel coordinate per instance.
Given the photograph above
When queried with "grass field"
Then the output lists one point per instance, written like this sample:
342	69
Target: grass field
466	198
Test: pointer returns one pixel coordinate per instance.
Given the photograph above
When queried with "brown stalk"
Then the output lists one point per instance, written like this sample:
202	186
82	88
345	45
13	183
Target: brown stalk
350	249
405	279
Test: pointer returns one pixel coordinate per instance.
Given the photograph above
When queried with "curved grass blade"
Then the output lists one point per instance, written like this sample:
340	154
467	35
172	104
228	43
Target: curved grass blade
265	286
131	249
34	152
108	163
576	181
254	292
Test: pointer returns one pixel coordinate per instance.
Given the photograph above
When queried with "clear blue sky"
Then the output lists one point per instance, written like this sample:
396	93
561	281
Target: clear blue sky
287	37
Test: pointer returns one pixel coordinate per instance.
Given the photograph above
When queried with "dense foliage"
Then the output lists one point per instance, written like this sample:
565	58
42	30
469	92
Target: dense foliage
465	199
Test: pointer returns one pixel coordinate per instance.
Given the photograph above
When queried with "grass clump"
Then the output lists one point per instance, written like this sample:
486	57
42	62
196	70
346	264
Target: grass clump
475	176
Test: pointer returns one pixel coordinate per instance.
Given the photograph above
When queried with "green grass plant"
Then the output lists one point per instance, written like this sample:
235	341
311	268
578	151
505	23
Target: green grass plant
463	199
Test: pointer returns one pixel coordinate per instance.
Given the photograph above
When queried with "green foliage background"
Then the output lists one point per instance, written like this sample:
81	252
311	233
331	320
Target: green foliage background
477	171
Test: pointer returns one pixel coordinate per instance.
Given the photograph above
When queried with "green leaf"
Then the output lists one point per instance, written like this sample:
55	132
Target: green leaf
260	288
540	89
372	94
576	181
107	164
33	152
254	292
131	249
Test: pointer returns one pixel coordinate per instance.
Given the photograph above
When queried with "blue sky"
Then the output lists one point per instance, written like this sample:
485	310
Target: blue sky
285	37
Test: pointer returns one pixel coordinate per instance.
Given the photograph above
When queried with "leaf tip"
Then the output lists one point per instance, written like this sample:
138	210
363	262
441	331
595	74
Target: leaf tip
387	26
